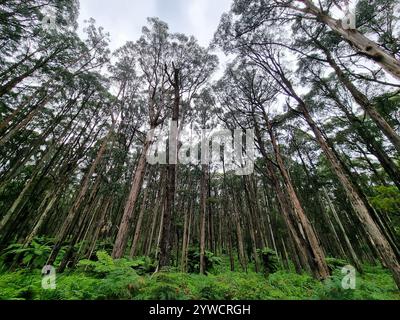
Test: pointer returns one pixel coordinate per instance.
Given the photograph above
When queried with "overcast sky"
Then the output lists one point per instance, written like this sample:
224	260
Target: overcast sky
124	19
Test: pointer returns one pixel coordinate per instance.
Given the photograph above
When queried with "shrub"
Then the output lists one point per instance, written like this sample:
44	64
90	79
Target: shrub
162	286
269	260
333	290
19	285
293	285
144	265
335	264
211	261
72	286
119	284
376	283
34	255
105	265
119	279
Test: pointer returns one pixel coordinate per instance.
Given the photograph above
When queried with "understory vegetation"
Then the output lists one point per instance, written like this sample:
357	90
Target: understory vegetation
103	278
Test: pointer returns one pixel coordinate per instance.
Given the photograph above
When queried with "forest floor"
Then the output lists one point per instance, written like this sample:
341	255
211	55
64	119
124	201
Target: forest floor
107	280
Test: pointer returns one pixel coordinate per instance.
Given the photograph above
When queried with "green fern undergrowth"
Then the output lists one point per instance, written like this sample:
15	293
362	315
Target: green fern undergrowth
127	279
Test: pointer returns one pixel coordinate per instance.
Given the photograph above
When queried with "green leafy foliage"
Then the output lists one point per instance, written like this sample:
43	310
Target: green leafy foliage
211	261
107	279
33	255
163	286
19	285
293	286
335	264
269	260
106	265
376	283
387	200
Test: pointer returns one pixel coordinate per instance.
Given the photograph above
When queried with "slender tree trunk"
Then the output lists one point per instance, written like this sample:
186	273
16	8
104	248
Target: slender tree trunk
185	237
139	223
381	243
252	227
297	237
346	238
68	222
239	235
23	123
203	214
318	254
15	81
137	182
165	244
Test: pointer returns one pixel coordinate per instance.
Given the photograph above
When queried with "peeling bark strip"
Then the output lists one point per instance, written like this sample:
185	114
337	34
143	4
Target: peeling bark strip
356	39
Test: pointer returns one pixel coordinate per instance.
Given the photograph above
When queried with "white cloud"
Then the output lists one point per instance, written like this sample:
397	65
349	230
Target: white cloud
203	17
198	20
124	19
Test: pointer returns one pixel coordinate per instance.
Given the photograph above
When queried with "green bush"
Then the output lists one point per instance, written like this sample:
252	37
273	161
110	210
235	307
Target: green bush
293	285
375	283
19	285
105	265
335	264
144	265
211	261
72	286
119	284
333	290
269	260
33	255
387	199
119	279
162	286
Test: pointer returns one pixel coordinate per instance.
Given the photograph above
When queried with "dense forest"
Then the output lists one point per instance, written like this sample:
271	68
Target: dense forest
84	214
